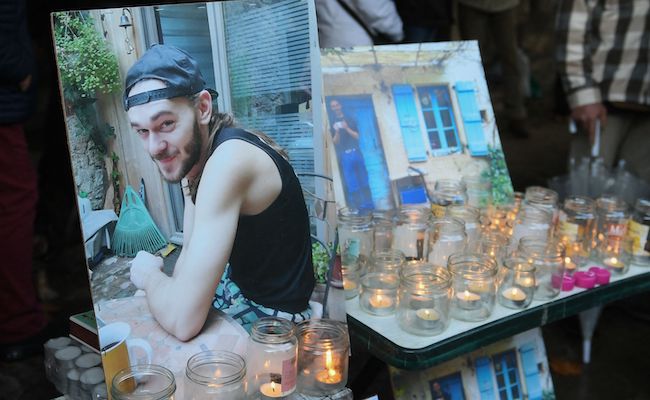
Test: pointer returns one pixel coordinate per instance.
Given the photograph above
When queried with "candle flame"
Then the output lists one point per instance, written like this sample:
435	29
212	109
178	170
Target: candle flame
273	386
267	364
567	259
328	359
614	260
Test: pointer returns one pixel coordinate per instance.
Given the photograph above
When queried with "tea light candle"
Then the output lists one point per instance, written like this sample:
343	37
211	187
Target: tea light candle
613	262
271	390
379	301
468	300
427	318
329	375
569	265
515	295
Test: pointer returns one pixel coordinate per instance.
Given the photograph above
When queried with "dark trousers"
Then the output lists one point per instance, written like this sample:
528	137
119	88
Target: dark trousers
501	28
21	315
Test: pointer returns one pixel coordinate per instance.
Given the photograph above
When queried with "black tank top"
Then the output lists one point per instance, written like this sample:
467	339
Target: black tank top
271	258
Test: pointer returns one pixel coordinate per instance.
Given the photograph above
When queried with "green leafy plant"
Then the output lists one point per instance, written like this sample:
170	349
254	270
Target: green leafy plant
320	259
502	191
87	68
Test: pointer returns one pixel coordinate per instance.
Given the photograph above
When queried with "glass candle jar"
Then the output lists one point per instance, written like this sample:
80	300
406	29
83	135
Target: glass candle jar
383	222
445	193
531	221
412	231
548	259
498	219
378	295
471	216
473	278
446	237
494	244
612	217
479	191
351	279
576	229
614	253
516	282
543	198
143	382
271	361
323	354
355	236
424	295
389	261
215	374
639	231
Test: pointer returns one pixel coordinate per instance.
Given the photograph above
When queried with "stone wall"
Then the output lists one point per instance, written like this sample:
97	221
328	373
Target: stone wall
88	164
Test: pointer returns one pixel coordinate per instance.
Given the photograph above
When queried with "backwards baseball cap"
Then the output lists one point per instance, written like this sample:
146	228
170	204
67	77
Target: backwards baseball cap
175	67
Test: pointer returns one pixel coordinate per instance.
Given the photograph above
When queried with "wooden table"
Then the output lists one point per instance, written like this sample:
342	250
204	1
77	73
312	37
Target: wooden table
382	337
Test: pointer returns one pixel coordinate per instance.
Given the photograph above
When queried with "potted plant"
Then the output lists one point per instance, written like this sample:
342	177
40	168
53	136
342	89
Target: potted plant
321	259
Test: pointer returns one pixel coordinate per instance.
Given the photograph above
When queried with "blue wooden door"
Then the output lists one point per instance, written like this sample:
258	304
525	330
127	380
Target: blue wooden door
362	109
531	372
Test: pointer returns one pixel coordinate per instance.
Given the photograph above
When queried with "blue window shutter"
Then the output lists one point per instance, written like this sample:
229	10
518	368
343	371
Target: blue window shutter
409	122
529	363
484	378
466	93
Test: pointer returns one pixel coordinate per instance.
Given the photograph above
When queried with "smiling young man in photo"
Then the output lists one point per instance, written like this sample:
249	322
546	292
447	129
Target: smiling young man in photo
246	237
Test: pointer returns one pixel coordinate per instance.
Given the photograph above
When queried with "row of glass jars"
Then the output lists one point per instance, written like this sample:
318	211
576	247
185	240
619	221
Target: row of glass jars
281	358
425	296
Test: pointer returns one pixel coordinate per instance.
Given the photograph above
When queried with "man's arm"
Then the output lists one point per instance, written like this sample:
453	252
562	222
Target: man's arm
575	43
181	303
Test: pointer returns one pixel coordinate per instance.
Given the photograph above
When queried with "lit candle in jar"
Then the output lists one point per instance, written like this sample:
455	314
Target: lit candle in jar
329	375
378	301
349	284
527	281
515	295
613	262
569	265
468	300
427	318
271	390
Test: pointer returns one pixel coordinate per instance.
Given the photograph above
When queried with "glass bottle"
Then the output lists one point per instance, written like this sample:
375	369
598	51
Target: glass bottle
548	259
532	221
479	191
389	261
639	231
473	278
494	244
471	216
383	223
351	279
612	216
446	237
355	236
411	232
544	198
143	382
378	295
445	193
323	354
215	374
424	295
576	228
516	282
271	358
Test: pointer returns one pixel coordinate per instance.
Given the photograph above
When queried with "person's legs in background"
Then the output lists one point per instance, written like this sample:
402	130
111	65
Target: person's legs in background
503	26
21	316
635	149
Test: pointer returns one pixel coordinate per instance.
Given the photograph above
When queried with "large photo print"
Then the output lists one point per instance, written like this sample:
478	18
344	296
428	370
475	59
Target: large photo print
191	136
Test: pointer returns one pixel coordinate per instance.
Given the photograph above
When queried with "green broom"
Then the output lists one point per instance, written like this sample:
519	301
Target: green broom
135	230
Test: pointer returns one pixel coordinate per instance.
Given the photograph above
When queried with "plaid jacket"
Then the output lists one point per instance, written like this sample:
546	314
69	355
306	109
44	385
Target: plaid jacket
603	51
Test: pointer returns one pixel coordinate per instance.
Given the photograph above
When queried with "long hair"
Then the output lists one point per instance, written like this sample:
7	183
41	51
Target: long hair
217	122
